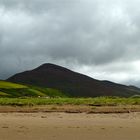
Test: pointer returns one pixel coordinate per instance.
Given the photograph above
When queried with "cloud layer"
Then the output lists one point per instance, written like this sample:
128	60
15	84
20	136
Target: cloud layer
96	37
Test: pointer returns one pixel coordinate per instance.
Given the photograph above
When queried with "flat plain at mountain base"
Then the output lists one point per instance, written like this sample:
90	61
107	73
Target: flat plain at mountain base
65	126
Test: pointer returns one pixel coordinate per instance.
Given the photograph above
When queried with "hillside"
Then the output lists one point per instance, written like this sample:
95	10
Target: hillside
72	83
8	89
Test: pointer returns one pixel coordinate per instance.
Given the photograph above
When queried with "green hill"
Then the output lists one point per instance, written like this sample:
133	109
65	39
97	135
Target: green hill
8	89
9	85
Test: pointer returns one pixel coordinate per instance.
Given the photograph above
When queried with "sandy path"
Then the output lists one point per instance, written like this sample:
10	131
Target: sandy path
63	126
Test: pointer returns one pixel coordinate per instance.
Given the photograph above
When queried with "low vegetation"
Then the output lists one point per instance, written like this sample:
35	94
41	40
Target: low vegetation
99	101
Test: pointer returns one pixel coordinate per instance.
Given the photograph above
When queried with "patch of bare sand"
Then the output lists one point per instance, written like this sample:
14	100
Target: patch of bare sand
71	109
64	126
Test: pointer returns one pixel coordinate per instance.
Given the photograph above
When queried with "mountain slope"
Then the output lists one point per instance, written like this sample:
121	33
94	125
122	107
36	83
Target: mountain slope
8	89
72	83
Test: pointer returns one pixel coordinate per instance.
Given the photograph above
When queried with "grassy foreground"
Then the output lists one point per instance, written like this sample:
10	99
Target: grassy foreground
99	101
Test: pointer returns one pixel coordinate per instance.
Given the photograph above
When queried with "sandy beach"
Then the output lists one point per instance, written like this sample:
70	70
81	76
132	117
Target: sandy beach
69	126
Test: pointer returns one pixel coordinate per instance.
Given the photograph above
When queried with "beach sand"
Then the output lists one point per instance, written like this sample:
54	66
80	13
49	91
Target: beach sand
69	126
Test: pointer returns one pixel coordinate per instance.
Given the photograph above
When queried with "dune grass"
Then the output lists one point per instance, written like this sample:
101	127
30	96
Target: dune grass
99	101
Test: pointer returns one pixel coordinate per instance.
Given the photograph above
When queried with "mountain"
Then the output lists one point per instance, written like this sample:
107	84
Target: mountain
72	83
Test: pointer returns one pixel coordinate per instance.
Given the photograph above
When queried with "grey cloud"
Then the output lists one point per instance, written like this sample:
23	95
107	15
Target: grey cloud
93	33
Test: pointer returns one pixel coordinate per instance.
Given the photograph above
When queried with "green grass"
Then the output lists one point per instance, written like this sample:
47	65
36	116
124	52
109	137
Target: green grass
8	89
51	92
9	85
100	101
3	94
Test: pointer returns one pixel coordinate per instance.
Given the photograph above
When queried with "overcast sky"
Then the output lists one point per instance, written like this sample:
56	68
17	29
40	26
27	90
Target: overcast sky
100	38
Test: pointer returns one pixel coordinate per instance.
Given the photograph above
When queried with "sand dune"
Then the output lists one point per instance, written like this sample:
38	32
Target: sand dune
64	126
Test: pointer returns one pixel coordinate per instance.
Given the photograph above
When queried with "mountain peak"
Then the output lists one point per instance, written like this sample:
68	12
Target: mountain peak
46	65
50	66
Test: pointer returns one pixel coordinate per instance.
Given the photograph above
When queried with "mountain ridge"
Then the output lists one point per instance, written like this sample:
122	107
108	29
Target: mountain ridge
76	84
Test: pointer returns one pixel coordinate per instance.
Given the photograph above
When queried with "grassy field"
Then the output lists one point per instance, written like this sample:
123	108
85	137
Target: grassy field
100	101
9	85
12	90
